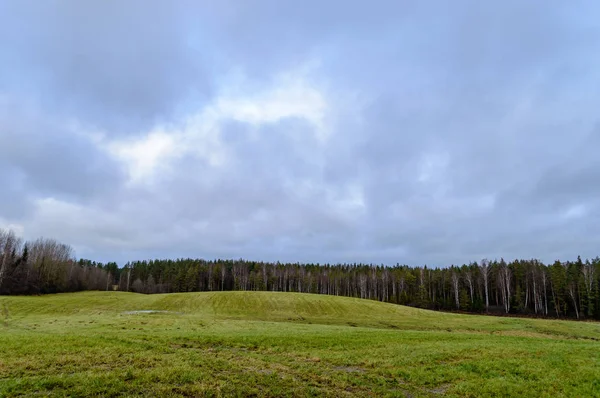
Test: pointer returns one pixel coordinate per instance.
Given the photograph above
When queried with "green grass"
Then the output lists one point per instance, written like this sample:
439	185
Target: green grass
283	344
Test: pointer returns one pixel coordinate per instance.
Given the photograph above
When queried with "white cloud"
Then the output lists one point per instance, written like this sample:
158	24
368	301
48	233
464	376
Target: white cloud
199	134
77	224
143	156
575	211
293	99
18	229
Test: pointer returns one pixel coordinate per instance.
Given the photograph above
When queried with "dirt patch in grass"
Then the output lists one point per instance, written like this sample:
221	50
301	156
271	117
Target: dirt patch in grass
349	369
441	390
145	312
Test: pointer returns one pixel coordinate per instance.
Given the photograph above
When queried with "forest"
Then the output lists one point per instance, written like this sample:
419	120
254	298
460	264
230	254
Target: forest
563	289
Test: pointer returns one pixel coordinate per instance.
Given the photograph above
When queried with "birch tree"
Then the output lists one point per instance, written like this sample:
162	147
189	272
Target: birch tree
469	278
455	287
484	271
589	277
504	279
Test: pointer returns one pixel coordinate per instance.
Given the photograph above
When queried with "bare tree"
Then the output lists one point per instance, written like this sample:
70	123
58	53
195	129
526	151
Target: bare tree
536	301
363	285
589	275
9	244
210	277
265	278
128	277
138	286
571	285
544	284
384	282
504	281
455	287
236	272
150	285
484	268
571	290
469	279
51	259
223	273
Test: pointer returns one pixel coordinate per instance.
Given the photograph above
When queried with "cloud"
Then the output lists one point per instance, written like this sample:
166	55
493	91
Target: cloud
119	66
412	132
200	134
39	155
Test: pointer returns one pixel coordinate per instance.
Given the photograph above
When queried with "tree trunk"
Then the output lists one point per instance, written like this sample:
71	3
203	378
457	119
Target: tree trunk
572	294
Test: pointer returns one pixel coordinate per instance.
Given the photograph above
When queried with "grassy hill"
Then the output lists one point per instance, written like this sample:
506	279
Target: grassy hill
283	344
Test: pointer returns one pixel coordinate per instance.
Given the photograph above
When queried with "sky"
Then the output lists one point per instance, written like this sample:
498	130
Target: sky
412	132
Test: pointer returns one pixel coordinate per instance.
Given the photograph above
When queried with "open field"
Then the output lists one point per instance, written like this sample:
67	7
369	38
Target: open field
283	344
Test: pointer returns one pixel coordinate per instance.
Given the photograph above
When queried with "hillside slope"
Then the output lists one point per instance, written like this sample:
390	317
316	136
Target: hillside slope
282	344
288	307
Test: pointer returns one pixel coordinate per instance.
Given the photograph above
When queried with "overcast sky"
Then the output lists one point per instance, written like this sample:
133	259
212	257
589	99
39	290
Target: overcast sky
383	131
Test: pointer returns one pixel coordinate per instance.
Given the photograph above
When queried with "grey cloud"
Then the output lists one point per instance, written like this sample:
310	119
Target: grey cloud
14	199
43	159
505	95
119	66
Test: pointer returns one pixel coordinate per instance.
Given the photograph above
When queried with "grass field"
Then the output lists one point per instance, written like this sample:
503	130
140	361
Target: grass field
283	344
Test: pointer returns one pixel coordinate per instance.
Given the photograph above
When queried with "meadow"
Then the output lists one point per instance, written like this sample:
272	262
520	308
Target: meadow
283	344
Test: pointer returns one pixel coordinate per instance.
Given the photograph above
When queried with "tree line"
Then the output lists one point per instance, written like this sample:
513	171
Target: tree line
529	287
560	289
47	266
